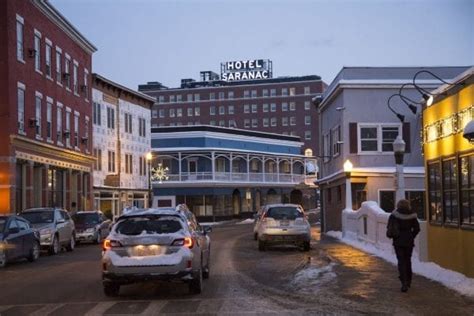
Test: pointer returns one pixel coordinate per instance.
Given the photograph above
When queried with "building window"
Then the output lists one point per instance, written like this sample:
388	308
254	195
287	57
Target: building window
110	118
265	107
284	107
336	140
273	92
230	109
212	123
48	50
212	110
273	107
246	108
254	122
190	97
172	113
197	97
85	139
307	105
450	197
38	115
86	84
434	192
179	112
179	98
67	73
98	159
232	123
141	127
129	163
273	121
230	95
58	65
76	130
416	198
68	127
387	200
37	51
222	123
254	108
326	148
307	90
161	99
293	120
467	189
222	110
307	135
189	112
284	121
49	119
246	94
97	114
154	113
74	73
378	137
59	124
161	113
172	98
292	106
284	91
292	91
307	120
246	123
19	38
221	95
197	111
212	96
111	161
265	93
21	107
254	93
128	123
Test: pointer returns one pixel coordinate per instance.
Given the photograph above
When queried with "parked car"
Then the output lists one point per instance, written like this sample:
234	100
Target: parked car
17	240
156	244
283	224
55	226
91	226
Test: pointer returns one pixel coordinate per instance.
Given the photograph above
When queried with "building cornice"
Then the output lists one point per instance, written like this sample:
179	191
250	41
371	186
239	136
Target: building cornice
220	150
57	18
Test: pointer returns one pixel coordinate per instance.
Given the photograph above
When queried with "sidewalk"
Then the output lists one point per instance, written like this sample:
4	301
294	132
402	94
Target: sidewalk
373	282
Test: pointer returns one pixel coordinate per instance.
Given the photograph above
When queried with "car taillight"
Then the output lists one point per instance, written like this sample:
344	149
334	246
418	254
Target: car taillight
109	244
185	242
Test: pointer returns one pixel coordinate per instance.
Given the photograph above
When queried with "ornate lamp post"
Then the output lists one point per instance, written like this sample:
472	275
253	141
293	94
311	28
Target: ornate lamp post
149	157
348	169
399	151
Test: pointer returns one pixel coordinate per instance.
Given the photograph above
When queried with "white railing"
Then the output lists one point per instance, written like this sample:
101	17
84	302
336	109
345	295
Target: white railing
236	177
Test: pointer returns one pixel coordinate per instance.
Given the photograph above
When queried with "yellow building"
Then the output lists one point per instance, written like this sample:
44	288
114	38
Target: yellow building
449	163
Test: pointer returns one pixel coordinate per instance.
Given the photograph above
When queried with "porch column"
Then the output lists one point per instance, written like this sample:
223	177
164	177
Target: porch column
179	167
29	198
291	165
213	163
231	165
45	186
248	168
278	169
263	167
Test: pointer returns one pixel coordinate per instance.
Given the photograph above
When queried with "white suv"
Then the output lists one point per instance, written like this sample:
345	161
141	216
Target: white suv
156	244
283	224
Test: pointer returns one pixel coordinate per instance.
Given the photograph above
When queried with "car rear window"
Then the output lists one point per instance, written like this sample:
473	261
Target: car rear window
148	225
83	218
3	222
282	212
39	217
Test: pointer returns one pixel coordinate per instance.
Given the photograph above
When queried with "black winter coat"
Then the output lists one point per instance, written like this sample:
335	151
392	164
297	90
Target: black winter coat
409	227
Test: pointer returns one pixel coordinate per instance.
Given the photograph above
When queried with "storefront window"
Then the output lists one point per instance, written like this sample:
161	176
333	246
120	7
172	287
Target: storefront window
434	192
467	189
450	196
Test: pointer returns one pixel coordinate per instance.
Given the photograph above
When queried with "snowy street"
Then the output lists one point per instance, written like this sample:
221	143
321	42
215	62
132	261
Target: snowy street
331	278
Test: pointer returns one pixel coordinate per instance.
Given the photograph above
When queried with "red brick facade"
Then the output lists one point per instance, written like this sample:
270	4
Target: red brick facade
37	166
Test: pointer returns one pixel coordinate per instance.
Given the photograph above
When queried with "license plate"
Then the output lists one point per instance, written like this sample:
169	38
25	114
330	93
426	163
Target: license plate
146	250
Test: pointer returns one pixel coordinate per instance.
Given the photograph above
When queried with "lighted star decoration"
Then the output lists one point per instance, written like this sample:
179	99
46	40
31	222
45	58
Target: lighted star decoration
159	174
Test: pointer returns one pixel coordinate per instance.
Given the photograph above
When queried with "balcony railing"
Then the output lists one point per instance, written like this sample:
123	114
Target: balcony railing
236	177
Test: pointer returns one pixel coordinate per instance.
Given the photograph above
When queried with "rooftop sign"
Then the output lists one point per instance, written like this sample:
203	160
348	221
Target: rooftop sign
246	70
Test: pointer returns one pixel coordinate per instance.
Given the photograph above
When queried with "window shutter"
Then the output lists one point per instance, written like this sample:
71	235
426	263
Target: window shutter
353	138
406	136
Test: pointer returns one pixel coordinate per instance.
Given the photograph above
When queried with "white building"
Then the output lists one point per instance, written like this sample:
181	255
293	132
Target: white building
121	140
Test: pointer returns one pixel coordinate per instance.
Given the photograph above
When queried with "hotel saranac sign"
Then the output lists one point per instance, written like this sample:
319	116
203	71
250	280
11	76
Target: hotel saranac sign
246	70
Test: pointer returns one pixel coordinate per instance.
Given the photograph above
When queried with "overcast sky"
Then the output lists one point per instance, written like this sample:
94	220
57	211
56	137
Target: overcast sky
166	41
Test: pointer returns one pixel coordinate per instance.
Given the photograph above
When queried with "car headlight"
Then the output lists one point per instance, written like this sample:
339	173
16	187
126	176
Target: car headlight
90	230
46	231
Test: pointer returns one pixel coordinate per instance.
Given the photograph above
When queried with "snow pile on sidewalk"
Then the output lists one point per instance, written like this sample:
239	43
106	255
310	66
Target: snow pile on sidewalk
247	221
430	270
311	278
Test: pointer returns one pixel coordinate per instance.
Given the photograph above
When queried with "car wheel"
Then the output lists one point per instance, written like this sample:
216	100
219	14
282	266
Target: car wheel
306	246
3	259
111	288
72	243
207	269
98	238
54	248
195	286
255	236
34	252
261	246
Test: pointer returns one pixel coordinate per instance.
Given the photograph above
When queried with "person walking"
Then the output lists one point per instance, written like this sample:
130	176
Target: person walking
403	227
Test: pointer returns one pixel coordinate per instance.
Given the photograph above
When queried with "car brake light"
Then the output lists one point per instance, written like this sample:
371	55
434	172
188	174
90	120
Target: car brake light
108	244
185	242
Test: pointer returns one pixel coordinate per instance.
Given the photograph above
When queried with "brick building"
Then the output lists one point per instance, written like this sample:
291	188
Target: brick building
45	103
273	105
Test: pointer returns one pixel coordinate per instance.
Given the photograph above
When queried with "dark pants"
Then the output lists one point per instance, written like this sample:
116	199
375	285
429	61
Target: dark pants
404	264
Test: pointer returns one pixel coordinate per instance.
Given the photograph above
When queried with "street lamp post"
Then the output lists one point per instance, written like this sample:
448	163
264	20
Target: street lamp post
399	151
348	170
148	159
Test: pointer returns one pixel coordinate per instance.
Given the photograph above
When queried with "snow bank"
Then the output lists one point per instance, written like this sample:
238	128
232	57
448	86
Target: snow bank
430	270
247	221
311	278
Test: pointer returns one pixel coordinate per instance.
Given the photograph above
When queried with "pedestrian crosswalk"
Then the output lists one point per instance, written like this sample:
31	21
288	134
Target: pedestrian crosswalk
206	306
